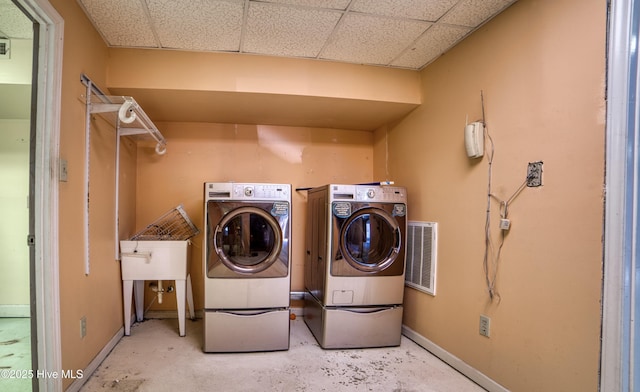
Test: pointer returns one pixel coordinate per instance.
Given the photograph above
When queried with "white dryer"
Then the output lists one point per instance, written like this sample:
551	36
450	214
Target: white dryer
247	267
354	271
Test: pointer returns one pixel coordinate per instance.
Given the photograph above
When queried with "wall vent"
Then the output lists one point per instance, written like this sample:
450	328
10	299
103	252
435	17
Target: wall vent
5	48
421	257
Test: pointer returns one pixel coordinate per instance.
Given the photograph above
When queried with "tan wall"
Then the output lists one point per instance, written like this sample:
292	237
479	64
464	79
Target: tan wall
204	152
95	296
130	68
17	68
14	227
541	66
15	85
247	89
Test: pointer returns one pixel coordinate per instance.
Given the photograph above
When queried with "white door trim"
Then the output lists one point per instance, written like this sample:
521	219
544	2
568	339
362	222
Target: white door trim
46	279
619	307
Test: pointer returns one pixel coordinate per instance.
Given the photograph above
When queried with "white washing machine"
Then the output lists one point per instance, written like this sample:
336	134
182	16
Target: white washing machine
247	267
354	267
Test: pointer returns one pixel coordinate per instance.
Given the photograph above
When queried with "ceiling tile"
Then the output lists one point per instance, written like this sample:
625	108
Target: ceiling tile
121	22
13	23
371	39
434	42
328	4
287	31
473	12
198	24
429	10
375	32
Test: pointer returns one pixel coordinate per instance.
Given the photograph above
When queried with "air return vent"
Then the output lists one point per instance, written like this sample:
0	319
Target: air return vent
421	256
5	48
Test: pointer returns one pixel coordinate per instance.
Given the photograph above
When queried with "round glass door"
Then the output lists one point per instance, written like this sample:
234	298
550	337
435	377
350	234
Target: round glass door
248	240
370	240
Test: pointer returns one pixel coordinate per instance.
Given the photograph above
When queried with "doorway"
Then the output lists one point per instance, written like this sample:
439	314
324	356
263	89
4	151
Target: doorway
16	147
34	137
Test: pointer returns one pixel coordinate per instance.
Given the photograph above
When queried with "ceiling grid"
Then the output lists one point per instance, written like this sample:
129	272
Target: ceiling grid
391	33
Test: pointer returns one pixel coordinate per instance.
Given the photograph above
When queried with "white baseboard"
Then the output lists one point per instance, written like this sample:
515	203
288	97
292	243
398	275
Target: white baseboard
15	311
93	365
453	361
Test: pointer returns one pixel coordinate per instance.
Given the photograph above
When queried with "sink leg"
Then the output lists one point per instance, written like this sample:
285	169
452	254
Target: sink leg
127	291
139	297
180	299
192	315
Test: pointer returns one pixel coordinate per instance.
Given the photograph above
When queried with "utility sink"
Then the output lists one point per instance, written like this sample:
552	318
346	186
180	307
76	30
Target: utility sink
155	260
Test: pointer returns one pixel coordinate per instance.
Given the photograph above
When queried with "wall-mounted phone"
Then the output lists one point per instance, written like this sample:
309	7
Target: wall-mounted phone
474	139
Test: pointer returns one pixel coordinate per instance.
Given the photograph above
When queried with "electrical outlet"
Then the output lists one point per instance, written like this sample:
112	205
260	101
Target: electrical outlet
534	174
83	326
485	325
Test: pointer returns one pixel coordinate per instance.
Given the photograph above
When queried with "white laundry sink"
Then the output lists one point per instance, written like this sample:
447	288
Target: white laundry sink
155	260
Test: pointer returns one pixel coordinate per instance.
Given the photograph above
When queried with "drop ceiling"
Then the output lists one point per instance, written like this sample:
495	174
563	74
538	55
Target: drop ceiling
405	34
13	23
394	33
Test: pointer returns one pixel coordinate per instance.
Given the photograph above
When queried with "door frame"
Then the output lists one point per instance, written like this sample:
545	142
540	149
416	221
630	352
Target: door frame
45	289
620	354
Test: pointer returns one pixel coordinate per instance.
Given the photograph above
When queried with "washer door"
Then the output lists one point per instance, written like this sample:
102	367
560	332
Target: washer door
370	241
248	240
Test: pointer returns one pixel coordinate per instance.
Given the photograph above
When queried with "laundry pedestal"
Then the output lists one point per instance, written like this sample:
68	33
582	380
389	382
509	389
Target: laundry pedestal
155	260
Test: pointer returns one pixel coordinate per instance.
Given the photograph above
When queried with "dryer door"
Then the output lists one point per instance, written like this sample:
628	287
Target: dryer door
248	240
370	242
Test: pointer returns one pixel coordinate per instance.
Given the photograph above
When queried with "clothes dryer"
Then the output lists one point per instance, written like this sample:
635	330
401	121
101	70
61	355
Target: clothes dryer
354	271
247	267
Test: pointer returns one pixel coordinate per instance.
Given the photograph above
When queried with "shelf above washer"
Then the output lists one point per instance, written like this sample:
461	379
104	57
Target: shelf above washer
126	115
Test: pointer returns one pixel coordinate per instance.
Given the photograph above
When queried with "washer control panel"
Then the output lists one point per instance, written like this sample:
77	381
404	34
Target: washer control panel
261	191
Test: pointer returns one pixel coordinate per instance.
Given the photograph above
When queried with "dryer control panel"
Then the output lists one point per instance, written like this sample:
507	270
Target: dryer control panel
247	191
367	193
389	194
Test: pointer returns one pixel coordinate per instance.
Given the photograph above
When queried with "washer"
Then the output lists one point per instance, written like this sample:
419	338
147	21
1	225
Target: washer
247	267
354	267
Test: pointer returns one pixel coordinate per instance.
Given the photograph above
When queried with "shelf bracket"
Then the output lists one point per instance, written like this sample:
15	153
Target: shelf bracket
128	119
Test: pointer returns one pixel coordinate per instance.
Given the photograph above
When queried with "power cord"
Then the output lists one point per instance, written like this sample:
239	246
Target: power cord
491	259
489	273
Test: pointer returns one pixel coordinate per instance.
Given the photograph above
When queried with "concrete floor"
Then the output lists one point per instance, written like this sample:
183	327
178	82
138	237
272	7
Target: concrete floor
15	353
155	358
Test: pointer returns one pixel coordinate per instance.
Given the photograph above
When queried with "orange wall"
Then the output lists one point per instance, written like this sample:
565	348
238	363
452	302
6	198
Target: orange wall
541	66
178	86
96	296
205	152
148	69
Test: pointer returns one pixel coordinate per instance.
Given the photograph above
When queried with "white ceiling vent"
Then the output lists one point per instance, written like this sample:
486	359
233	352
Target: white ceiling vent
421	257
5	48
